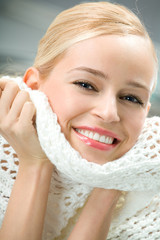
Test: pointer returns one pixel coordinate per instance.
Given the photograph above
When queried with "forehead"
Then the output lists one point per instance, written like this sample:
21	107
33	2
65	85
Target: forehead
114	44
113	53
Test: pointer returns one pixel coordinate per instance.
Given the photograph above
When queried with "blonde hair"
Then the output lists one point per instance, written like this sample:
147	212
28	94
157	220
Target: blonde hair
82	22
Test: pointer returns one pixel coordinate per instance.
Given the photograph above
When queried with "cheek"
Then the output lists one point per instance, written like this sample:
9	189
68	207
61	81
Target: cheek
135	125
67	105
57	99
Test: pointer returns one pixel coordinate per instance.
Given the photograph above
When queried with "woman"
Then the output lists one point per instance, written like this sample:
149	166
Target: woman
98	74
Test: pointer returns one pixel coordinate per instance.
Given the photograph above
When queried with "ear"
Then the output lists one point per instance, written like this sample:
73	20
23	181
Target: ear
31	78
148	107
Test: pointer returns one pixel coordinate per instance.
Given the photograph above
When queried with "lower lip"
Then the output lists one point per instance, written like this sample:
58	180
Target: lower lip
95	144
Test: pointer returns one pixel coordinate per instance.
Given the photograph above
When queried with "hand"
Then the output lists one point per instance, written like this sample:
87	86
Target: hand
28	199
17	117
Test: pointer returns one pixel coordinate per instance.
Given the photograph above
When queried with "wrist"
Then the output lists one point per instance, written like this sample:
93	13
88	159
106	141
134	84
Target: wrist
35	170
34	162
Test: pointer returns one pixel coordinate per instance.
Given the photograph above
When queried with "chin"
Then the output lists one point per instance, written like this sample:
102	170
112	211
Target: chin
92	158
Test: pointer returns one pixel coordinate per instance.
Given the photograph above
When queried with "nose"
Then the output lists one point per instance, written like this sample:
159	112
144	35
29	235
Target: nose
106	108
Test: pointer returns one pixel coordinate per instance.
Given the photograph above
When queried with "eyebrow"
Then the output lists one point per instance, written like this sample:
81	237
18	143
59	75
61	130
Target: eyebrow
102	75
138	85
92	71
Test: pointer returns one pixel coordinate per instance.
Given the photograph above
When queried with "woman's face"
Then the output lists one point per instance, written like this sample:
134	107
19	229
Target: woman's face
100	92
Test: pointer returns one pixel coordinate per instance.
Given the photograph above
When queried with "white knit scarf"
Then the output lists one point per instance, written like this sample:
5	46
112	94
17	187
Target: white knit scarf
137	172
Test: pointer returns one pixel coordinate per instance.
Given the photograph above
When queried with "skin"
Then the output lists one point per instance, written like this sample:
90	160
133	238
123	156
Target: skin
125	60
29	195
94	224
117	100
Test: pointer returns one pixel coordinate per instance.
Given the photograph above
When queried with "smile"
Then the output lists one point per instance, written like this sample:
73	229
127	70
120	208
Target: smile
97	138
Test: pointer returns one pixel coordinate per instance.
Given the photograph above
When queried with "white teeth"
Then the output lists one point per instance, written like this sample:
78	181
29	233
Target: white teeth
91	135
102	139
96	136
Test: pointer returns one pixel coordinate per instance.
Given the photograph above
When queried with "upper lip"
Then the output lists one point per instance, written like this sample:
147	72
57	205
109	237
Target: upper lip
101	131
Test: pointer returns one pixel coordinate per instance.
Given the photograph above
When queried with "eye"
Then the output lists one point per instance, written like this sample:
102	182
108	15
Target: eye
132	99
85	85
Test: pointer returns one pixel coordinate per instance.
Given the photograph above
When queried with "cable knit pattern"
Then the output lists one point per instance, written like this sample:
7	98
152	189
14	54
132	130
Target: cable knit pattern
136	174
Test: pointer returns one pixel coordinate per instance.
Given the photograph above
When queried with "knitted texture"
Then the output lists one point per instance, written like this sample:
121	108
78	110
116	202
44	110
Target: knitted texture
136	174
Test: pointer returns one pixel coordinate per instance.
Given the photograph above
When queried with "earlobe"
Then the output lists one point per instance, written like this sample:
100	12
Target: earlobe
31	78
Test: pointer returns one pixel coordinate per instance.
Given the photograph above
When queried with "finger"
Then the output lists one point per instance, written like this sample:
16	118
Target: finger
28	114
17	105
3	82
8	94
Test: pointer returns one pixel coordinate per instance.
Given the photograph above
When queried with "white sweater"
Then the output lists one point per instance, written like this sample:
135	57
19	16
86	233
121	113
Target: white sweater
136	174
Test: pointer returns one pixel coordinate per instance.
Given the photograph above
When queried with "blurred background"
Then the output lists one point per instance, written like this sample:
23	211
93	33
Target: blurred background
24	22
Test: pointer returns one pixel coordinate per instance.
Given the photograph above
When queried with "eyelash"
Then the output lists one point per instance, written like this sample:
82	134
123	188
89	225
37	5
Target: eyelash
85	85
135	99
